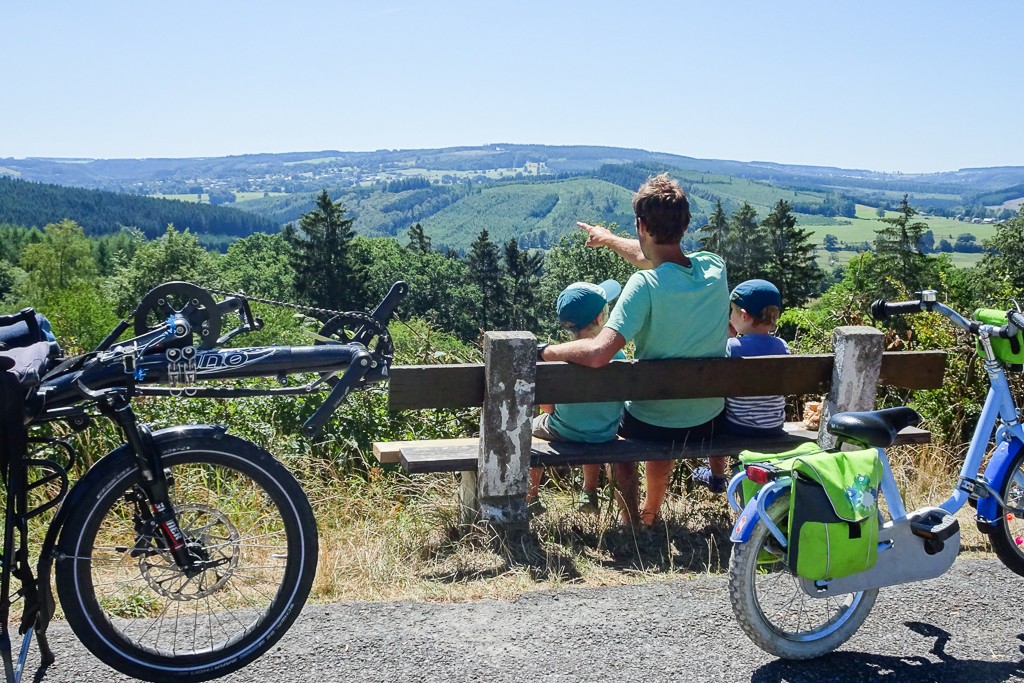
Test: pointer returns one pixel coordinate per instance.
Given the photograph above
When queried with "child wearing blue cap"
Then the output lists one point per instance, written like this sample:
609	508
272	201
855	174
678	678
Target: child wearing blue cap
754	309
582	309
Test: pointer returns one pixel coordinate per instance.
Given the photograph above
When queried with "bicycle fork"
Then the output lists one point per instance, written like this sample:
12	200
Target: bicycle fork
157	518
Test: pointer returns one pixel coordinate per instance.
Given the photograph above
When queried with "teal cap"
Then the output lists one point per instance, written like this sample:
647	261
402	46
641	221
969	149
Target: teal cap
580	303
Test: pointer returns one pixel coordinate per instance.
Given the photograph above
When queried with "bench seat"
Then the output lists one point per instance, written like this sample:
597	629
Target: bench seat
461	455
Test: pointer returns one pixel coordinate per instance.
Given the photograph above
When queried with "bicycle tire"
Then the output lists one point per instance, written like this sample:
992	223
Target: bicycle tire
1008	535
132	607
772	608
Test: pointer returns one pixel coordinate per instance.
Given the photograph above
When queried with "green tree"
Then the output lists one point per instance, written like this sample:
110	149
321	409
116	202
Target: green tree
174	256
713	235
61	258
418	240
746	246
900	267
791	262
259	265
485	272
522	285
1005	252
326	274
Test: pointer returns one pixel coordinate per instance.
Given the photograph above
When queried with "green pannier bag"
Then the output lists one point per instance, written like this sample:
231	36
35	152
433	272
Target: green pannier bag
749	488
1010	351
833	513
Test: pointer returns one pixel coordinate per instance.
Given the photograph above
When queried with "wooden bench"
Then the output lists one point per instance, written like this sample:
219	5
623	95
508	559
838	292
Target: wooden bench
509	384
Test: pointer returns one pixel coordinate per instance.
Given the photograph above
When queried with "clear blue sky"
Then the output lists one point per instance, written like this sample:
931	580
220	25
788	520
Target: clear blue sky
883	85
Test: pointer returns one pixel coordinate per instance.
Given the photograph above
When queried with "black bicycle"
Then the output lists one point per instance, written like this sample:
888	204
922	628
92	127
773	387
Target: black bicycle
187	552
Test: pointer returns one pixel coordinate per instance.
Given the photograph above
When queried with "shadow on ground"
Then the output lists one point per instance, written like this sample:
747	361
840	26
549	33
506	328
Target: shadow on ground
846	667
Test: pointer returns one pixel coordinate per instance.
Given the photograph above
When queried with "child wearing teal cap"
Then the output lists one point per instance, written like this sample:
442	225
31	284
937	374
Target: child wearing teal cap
582	309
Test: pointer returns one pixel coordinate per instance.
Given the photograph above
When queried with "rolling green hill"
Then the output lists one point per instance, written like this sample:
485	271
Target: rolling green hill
99	212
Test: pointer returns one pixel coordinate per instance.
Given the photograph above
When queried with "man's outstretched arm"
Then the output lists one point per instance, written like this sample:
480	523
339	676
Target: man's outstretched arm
625	247
593	352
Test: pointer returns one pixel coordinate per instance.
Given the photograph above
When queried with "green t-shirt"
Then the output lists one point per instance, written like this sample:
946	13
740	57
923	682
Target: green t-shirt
676	312
587	422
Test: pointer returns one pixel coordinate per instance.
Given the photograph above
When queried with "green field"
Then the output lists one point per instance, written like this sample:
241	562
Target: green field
863	227
205	198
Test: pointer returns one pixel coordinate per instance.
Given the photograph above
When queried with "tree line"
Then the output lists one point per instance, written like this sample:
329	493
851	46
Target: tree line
321	262
100	212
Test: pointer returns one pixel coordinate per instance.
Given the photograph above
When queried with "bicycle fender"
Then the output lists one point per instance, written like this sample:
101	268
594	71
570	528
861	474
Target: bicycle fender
750	516
995	474
102	469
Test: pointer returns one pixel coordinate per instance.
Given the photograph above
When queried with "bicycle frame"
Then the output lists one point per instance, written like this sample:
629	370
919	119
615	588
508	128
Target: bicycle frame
159	362
999	418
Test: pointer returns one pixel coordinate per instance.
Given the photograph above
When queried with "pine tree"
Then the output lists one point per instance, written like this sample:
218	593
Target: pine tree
745	247
485	270
523	285
419	242
791	263
713	235
327	274
899	266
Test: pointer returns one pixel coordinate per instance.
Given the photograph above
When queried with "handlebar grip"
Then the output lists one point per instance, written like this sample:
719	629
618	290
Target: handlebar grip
1016	318
882	309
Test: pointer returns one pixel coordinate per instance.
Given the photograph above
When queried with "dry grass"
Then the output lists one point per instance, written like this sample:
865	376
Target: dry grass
399	538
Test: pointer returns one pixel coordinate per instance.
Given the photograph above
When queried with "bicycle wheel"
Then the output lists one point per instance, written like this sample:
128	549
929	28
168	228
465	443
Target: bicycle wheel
136	610
774	611
1008	535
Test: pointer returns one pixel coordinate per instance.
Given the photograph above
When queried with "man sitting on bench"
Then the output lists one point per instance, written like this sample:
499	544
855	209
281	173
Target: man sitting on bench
677	307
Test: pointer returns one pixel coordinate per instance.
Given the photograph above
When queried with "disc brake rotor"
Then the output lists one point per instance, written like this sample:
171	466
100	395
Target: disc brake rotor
212	540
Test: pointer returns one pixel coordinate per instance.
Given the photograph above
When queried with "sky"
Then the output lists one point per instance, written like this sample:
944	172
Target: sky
893	85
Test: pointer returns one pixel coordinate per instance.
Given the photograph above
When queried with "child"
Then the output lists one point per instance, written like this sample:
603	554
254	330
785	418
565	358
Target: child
754	310
582	310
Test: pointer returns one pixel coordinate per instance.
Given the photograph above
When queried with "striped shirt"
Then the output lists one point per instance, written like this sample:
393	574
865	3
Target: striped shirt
759	412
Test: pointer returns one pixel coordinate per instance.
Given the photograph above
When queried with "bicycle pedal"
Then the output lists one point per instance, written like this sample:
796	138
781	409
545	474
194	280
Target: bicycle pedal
935	526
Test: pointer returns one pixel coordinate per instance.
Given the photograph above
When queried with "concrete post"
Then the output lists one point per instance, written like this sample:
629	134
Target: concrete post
503	470
858	351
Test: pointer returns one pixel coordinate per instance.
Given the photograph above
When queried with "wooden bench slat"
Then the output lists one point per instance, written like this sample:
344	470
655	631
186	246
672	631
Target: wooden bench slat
461	455
414	387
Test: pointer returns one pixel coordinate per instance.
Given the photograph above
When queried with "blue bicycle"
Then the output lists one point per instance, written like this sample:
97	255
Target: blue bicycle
792	616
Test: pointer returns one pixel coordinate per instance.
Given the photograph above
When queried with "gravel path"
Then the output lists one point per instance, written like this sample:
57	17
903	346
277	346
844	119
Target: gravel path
965	626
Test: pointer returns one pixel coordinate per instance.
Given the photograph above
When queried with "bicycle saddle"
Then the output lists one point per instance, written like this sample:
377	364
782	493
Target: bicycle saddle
876	428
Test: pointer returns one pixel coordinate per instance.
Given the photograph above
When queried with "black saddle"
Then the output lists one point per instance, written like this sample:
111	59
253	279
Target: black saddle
876	428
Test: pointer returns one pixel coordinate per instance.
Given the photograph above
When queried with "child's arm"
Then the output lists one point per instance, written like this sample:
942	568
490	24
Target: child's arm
548	408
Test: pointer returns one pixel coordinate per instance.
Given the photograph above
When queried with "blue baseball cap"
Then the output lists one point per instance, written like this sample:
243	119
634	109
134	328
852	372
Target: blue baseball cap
580	303
753	296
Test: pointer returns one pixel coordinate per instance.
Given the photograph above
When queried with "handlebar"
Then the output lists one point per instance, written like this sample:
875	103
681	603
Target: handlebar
883	310
154	363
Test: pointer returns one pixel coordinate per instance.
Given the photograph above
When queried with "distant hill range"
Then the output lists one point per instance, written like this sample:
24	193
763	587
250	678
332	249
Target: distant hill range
529	192
98	212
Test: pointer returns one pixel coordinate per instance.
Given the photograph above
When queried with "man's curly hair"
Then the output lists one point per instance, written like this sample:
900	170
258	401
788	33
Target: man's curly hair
664	208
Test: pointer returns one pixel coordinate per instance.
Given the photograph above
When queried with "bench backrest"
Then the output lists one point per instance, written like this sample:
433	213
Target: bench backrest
414	387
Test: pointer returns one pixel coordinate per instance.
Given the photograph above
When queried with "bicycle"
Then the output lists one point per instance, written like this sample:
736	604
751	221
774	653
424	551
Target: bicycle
187	552
795	617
